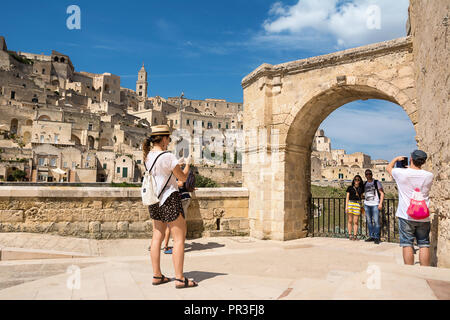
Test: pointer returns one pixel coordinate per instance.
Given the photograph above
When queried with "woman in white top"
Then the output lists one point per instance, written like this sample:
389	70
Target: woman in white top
169	211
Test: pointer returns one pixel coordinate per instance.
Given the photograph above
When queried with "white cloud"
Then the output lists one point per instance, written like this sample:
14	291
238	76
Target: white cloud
350	22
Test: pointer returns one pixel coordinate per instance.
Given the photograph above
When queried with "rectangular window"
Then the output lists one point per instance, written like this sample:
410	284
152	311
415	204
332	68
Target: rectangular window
41	161
104	166
210	125
53	162
125	173
118	169
219	125
226	125
13	94
138	161
187	121
65	165
56	138
74	165
90	127
41	139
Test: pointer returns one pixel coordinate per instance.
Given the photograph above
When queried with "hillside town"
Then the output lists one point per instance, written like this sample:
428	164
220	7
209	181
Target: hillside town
61	125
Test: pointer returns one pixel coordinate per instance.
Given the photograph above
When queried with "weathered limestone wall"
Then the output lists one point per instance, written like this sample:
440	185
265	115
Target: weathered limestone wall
223	176
104	213
431	43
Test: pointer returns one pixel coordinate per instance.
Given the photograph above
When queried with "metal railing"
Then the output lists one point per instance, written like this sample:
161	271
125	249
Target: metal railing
327	218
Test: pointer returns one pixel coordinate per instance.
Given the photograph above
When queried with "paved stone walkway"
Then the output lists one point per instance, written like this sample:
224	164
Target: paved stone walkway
226	268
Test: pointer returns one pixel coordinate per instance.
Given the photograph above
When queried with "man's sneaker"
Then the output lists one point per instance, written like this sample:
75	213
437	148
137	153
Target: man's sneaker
369	240
377	241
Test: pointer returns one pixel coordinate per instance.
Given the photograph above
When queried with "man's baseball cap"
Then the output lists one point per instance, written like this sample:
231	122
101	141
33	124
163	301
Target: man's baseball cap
419	155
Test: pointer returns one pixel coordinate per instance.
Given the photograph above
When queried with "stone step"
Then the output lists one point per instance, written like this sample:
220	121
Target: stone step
10	254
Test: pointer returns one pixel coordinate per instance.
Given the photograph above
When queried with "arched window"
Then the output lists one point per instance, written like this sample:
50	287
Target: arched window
91	143
26	137
75	139
56	59
44	118
14	126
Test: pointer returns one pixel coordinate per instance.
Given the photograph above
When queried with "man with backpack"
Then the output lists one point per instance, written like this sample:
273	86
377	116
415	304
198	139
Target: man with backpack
414	185
373	204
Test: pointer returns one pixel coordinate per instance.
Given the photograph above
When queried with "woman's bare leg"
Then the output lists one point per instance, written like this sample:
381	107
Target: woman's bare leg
178	230
159	228
166	237
355	225
349	224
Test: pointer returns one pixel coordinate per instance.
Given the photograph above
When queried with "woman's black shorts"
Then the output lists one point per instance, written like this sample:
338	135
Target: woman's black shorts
169	211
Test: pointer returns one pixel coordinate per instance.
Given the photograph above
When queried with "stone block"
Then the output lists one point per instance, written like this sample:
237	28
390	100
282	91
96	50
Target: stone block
139	226
94	226
108	227
235	203
122	226
96	204
234	224
236	213
11	216
148	225
244	224
143	214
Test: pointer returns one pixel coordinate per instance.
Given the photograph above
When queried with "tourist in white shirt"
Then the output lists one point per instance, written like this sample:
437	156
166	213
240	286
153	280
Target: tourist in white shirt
408	179
169	211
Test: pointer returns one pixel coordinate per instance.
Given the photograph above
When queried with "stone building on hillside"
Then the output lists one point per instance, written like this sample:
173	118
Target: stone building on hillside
334	164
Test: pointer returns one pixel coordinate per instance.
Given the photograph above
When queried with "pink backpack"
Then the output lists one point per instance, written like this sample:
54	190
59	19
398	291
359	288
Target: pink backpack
418	209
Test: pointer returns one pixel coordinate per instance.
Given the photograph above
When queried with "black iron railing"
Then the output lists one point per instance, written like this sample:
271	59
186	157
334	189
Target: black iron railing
327	218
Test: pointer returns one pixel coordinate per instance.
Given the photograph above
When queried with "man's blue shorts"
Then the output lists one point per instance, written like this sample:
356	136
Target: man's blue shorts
410	230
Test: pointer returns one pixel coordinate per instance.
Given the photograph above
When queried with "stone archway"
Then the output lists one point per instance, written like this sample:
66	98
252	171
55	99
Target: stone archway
299	139
287	103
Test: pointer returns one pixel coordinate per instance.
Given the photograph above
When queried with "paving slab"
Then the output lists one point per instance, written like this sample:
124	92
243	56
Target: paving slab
226	268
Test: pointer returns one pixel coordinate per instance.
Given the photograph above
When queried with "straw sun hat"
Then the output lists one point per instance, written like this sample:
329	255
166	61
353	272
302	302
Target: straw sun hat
161	130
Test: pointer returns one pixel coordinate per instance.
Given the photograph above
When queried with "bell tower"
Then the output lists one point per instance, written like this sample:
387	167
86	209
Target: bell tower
141	83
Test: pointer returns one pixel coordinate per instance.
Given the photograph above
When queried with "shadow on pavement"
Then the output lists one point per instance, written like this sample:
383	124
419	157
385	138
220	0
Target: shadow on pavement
202	275
195	246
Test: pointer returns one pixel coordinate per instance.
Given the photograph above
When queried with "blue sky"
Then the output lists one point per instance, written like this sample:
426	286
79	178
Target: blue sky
205	48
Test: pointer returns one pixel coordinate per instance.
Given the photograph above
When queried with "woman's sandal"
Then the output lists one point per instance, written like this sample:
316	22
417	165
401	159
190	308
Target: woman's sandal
186	284
163	279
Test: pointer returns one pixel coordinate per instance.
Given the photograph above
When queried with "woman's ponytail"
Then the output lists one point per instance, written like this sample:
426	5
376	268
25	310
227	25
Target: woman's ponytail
146	146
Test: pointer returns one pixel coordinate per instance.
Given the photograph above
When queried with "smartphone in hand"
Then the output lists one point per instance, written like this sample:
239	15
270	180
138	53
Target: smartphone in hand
402	163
